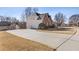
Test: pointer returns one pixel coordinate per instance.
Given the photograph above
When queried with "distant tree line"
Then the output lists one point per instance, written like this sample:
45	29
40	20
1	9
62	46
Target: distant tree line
7	21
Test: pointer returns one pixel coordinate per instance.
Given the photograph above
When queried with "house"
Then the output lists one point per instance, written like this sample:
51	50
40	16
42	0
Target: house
22	25
74	20
35	19
4	25
8	23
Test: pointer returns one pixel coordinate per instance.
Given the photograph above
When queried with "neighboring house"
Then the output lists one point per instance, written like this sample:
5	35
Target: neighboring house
14	26
74	20
18	25
35	19
4	25
22	25
7	23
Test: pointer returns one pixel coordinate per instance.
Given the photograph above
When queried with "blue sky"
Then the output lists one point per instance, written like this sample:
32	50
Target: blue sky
17	11
11	11
67	11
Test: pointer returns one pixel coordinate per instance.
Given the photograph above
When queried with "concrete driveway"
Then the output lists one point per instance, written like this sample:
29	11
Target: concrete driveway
52	40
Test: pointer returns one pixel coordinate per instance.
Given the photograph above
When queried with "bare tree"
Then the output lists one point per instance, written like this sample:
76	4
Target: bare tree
28	11
23	17
60	18
35	10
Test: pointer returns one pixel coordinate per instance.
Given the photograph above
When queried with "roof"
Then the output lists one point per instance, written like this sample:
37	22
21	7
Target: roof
42	15
39	16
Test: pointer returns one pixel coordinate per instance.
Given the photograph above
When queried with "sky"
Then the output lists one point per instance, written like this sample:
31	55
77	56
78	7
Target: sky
11	11
17	11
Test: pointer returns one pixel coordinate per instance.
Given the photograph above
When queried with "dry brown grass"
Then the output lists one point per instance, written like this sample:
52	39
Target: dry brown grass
9	42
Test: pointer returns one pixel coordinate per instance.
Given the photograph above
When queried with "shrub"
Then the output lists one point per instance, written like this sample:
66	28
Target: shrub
42	26
52	26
